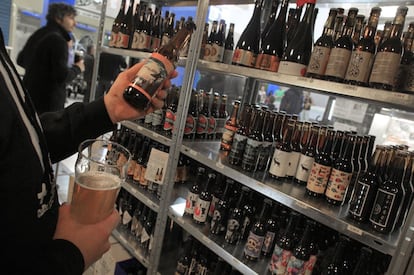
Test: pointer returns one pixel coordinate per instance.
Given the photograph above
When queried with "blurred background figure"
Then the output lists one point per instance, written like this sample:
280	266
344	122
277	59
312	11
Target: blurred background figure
292	101
307	104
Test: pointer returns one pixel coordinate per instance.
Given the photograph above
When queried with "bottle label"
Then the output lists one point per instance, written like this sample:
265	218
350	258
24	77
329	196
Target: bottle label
264	155
148	118
227	138
385	68
131	168
253	245
152	75
359	199
202	124
267	62
216	225
181	269
144	41
135	40
310	264
201	210
216	53
359	66
123	40
295	266
212	124
338	62
304	167
279	163
164	40
280	258
190	202
237	149
243	57
220	122
268	242
318	178
232	231
337	185
319	60
384	204
251	152
155	43
213	204
157	117
408	85
190	125
169	120
292	68
293	163
228	56
113	39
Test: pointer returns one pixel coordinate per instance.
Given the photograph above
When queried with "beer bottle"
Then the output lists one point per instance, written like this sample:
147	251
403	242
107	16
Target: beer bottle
219	219
194	192
229	45
157	68
192	116
271	19
253	143
222	116
203	116
230	128
214	115
271	229
307	156
170	113
168	29
268	139
203	202
240	137
126	28
294	153
356	167
116	25
208	53
235	221
204	39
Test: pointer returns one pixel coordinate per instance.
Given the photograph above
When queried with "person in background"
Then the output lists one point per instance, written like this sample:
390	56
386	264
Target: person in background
39	235
292	101
110	65
45	59
307	104
89	61
261	95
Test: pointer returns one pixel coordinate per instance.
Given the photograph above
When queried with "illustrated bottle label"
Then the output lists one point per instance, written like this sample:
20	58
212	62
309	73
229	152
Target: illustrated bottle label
337	184
135	40
382	209
190	203
253	246
113	39
295	266
385	67
359	66
169	120
292	68
152	75
268	241
227	138
190	125
358	202
232	232
244	58
293	163
165	39
122	40
338	62
144	41
216	54
264	155
304	168
279	163
202	124
201	210
228	56
267	62
251	152
212	124
318	178
216	225
207	52
134	225
319	60
280	258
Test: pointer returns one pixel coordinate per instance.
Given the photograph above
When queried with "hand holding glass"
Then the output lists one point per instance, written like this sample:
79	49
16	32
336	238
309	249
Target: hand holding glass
100	169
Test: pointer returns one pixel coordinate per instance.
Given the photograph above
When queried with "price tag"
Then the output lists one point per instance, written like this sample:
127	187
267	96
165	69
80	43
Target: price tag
220	165
206	240
350	87
155	135
181	220
354	229
301	204
192	152
139	128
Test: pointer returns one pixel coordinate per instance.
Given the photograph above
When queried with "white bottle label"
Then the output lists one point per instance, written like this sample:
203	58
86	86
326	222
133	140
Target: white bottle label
338	62
292	68
304	167
319	60
385	68
337	185
359	66
293	163
279	163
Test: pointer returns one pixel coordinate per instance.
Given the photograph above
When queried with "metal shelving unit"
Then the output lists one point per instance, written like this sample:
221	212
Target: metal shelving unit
398	244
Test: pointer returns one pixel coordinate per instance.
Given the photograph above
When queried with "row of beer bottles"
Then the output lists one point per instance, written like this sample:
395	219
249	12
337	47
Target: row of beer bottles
347	51
138	27
205	119
140	147
137	220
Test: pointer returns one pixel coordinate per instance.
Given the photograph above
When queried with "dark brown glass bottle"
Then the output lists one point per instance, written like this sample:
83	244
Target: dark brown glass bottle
203	116
256	237
321	168
214	116
204	39
407	58
359	25
253	143
229	45
183	263
170	113
386	208
168	29
156	30
362	57
204	200
126	28
219	220
210	41
272	17
194	192
284	246
356	168
338	144
366	187
322	48
273	43
230	128
116	25
217	47
294	154
240	138
341	174
192	116
271	230
294	15
307	157
297	54
268	139
235	220
387	59
247	47
364	263
222	116
338	264
342	50
157	68
147	235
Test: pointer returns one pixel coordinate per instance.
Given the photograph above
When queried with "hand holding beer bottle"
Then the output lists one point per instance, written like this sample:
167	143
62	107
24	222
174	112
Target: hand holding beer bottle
157	68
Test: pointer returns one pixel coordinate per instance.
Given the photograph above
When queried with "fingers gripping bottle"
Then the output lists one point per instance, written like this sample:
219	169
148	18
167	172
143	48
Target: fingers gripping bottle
157	68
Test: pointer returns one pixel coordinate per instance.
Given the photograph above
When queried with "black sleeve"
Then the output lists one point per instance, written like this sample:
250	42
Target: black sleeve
66	129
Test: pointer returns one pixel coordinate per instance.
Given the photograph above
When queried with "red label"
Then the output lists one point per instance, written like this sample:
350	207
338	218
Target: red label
267	62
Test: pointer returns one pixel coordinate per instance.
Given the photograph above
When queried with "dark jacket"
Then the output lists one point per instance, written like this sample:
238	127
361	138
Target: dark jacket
292	101
45	59
27	191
